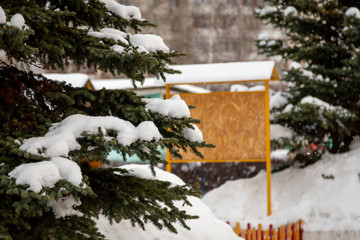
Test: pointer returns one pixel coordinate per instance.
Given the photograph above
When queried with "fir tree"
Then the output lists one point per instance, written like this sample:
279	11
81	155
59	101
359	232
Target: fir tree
322	40
90	34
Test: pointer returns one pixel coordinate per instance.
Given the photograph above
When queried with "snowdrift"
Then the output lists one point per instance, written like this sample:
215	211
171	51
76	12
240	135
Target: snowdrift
207	227
326	195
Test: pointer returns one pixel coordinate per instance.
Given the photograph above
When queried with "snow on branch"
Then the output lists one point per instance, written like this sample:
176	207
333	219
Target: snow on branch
149	41
61	138
143	42
126	12
47	173
173	107
353	12
2	16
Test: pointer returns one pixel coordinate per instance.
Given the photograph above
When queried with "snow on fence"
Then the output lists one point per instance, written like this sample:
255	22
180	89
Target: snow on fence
290	231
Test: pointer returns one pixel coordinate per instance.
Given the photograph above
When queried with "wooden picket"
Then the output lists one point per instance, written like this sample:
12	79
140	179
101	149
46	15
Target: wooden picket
290	231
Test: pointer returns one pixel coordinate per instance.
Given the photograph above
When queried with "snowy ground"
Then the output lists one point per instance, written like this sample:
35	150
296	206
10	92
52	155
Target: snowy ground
326	195
207	227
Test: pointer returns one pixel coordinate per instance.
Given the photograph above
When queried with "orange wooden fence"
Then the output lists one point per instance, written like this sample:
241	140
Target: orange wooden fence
291	231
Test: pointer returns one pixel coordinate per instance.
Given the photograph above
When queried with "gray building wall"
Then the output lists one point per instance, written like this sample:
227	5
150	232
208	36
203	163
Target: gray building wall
208	31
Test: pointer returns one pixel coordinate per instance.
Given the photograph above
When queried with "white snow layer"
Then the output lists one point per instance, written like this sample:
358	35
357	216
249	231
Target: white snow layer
126	12
61	138
353	12
207	227
2	16
47	173
325	204
17	20
173	107
226	72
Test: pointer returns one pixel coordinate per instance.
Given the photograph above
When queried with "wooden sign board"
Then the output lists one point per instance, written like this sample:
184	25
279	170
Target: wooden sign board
233	121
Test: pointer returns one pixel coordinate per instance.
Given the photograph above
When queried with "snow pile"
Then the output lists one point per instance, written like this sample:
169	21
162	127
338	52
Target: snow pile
2	16
238	88
207	227
47	173
126	12
277	99
353	12
61	138
325	195
280	154
243	88
173	107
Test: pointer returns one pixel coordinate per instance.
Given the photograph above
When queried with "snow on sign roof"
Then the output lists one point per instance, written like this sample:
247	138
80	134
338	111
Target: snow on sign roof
74	79
222	72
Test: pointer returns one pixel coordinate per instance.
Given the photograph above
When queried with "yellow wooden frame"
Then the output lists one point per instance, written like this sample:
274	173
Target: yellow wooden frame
274	77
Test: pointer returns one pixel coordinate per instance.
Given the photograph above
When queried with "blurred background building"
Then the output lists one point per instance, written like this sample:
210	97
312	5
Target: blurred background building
208	31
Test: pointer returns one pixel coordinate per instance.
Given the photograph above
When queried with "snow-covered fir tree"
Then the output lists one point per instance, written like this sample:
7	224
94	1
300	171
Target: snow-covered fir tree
50	131
324	78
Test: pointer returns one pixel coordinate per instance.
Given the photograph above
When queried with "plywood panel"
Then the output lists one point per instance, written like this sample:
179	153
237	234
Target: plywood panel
234	122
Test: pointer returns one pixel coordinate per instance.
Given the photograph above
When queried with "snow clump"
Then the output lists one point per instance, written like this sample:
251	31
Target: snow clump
61	138
266	10
353	12
173	107
126	12
194	135
2	16
17	21
47	173
149	42
290	10
36	175
64	207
